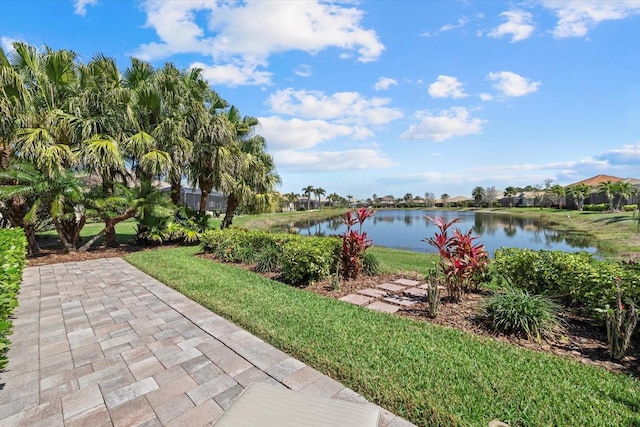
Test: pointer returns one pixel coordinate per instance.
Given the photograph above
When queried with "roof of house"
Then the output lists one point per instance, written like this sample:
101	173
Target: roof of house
597	180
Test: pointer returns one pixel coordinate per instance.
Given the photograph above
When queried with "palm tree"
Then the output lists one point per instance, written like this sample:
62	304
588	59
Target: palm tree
251	175
624	190
445	199
210	149
609	189
319	191
349	197
333	198
407	198
478	195
579	193
306	192
559	193
509	192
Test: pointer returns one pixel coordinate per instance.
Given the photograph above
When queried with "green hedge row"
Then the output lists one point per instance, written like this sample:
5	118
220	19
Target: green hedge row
299	259
574	277
12	260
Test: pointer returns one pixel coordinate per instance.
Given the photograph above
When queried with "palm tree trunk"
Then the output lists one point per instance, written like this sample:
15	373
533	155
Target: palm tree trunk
232	205
5	154
16	210
204	195
175	190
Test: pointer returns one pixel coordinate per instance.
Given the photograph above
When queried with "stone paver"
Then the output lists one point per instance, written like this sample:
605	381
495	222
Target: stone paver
100	343
416	292
376	293
383	307
357	299
401	300
407	282
391	287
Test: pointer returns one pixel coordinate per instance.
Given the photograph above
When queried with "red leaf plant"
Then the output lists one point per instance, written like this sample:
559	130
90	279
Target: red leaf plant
460	258
354	243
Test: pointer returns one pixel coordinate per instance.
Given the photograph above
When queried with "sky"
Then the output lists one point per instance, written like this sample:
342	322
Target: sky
390	97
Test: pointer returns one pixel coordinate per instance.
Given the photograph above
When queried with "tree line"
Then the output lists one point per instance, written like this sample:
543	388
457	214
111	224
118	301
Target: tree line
85	141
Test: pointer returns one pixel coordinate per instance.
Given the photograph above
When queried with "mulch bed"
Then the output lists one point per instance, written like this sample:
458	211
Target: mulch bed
581	338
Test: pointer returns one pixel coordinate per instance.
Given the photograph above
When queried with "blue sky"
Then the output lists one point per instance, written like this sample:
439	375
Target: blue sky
391	97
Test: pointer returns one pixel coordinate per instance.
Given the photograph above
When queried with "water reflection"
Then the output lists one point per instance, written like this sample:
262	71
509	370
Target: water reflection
406	230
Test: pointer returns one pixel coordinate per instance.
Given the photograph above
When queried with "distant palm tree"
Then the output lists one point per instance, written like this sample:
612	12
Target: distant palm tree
510	192
609	189
319	191
349	197
306	192
478	195
579	193
445	199
624	190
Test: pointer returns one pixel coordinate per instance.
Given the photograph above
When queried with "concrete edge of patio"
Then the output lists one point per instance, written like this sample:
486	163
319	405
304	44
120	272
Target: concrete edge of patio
60	384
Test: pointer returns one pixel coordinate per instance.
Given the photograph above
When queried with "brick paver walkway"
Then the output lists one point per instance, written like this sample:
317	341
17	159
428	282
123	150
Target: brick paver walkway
99	343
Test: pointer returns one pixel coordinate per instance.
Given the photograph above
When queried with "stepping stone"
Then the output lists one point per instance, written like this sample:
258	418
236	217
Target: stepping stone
376	293
442	288
383	307
356	299
390	287
403	301
407	282
416	292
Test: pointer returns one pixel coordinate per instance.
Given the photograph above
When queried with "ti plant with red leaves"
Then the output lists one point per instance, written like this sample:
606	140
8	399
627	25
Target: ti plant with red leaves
460	258
354	243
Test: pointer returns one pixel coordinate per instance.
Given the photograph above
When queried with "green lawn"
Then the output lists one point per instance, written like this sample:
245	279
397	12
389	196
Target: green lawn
425	373
125	230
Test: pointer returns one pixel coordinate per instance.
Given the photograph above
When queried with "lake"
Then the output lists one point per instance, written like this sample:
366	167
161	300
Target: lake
406	229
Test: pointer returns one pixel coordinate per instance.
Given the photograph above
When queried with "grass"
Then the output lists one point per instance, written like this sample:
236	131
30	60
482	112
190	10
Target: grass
428	374
125	230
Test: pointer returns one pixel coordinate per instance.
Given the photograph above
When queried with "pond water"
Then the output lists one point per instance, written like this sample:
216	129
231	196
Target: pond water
406	229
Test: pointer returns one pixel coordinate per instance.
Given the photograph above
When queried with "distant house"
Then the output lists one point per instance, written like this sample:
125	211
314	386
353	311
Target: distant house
596	196
216	202
387	201
304	203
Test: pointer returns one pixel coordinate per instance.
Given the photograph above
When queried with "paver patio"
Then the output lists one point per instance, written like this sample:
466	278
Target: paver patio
100	343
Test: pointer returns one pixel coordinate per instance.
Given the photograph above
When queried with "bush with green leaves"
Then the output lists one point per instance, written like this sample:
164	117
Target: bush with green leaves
574	277
518	312
600	207
300	259
621	320
630	208
370	264
307	260
13	246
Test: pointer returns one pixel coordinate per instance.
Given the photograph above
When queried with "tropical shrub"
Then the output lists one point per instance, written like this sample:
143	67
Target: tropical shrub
600	207
574	277
630	208
461	261
370	264
621	320
13	246
354	243
309	259
518	312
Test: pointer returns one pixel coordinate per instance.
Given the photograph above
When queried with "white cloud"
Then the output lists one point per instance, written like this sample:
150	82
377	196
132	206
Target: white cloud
232	74
512	84
81	6
330	161
297	133
246	34
446	87
385	83
7	43
303	70
519	26
461	23
343	107
576	18
629	155
456	121
447	27
486	96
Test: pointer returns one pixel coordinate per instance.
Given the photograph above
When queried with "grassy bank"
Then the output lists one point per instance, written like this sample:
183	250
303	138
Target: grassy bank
427	374
616	234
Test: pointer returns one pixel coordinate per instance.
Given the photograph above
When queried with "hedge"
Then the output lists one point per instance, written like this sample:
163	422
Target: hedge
300	259
575	277
12	260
